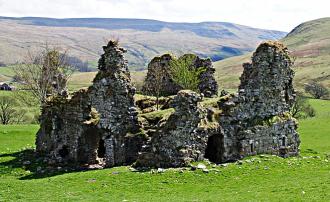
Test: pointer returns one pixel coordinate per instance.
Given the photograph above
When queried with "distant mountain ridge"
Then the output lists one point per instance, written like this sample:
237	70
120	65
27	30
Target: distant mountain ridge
143	38
208	29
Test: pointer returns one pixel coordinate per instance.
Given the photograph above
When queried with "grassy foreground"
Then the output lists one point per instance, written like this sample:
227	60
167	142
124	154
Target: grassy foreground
259	178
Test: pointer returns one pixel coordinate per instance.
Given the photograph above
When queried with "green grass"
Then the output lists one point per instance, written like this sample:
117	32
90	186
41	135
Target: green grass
7	71
84	79
316	131
158	115
6	74
258	178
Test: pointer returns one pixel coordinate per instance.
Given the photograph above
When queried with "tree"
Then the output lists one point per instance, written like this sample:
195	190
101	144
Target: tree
184	73
317	90
9	112
301	108
44	73
26	97
157	86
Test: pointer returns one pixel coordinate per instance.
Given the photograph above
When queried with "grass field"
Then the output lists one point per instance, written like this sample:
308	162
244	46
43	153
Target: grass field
6	74
80	80
259	178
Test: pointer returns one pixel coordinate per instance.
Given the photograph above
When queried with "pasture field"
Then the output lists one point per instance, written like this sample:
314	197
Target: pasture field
257	178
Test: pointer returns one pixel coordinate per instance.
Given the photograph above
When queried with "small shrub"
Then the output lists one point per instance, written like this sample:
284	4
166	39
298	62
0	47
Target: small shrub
9	112
301	108
184	73
317	90
310	111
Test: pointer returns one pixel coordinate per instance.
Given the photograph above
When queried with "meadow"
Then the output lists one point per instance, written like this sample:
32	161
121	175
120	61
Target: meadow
257	178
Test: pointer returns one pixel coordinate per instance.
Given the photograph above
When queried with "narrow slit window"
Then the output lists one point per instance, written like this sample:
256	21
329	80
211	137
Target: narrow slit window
283	141
252	147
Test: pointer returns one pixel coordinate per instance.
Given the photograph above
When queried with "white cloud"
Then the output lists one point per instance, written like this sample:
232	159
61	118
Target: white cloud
280	14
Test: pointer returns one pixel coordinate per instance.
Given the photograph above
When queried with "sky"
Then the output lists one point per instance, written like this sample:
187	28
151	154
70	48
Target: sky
281	15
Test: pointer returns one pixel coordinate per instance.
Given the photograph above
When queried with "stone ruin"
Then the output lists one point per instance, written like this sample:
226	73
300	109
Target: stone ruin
159	68
102	125
183	137
95	126
258	119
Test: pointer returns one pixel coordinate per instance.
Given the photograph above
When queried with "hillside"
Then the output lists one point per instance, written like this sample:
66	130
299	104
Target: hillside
309	44
144	39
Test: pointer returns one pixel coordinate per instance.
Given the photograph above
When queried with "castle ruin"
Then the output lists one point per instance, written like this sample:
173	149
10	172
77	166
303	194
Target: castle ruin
102	125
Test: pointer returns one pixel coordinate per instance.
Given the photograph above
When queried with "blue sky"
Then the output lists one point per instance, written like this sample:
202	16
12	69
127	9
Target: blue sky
269	14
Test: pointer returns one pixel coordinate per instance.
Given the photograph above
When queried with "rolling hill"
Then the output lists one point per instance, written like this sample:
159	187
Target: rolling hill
144	39
308	42
310	45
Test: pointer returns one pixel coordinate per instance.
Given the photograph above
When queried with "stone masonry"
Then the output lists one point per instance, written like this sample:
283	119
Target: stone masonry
183	138
159	68
257	120
100	125
254	121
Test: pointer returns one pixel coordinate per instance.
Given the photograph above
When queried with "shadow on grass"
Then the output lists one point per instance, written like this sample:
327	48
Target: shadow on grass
29	161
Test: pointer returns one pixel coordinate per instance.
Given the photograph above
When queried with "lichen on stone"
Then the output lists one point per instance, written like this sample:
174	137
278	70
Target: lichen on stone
94	117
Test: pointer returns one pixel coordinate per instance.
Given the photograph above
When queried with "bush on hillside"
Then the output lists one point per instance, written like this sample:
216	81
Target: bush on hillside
317	90
301	108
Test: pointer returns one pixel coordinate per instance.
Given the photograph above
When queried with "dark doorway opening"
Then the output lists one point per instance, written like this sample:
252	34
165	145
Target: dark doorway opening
214	149
283	142
252	147
101	149
64	152
91	147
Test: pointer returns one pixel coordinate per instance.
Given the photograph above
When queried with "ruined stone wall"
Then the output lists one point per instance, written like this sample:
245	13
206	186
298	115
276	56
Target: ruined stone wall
100	125
266	84
112	96
159	69
61	126
254	121
257	120
102	119
183	138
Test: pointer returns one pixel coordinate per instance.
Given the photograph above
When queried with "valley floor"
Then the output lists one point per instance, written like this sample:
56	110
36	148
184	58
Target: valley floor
258	178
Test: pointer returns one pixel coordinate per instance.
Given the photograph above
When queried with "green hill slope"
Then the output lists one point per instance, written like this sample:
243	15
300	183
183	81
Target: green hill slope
309	44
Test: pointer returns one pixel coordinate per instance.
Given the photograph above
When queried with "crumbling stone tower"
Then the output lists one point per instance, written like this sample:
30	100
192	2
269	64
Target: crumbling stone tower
258	120
97	125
